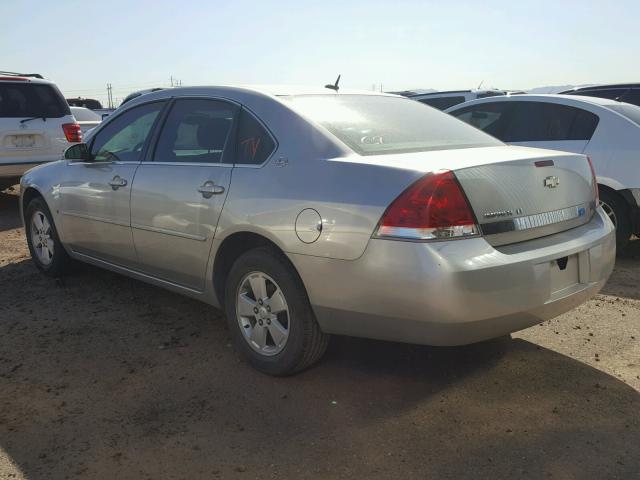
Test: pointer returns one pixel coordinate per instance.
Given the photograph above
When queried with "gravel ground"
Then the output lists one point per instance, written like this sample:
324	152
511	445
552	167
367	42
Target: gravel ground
104	377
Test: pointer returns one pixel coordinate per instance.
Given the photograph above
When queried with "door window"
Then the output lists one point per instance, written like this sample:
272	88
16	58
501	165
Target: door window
488	117
548	122
196	131
124	138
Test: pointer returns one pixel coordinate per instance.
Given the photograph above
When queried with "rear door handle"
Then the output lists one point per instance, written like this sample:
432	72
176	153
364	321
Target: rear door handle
117	182
208	189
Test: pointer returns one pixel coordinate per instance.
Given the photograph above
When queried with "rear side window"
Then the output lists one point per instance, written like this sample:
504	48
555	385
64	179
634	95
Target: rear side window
547	122
26	100
442	103
254	144
196	131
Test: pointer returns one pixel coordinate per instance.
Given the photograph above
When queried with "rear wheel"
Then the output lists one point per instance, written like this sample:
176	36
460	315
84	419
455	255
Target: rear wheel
618	211
42	238
269	314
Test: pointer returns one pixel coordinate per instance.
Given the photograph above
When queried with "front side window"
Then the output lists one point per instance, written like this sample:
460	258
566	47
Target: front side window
254	144
377	124
488	117
124	138
196	130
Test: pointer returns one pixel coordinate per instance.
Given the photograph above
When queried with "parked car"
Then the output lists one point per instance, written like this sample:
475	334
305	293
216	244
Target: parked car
36	125
623	92
89	103
309	212
87	119
133	95
606	130
444	100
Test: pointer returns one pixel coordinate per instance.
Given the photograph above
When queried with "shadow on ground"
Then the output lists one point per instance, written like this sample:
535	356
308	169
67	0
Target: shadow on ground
623	282
106	377
9	211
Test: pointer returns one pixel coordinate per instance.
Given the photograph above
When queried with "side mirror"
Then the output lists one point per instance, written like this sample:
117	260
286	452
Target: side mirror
104	115
79	151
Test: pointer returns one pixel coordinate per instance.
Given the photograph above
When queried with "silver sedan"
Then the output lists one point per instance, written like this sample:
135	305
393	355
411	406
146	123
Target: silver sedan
304	213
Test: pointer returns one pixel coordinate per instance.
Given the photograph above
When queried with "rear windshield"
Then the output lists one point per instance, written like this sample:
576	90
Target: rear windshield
20	100
375	124
85	115
630	111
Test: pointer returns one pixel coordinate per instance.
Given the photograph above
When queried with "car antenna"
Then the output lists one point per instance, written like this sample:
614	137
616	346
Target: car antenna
479	86
335	85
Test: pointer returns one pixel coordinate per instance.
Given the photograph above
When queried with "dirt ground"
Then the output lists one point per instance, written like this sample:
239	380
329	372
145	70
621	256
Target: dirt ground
103	377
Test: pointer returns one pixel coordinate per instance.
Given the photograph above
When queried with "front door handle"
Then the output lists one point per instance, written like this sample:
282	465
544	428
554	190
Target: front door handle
208	189
117	182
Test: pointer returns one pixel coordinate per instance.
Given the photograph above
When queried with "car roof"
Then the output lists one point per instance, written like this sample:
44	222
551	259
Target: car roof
232	91
455	91
24	78
549	98
603	87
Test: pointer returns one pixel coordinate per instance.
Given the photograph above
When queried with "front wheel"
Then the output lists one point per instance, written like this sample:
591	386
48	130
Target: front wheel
42	238
269	314
618	211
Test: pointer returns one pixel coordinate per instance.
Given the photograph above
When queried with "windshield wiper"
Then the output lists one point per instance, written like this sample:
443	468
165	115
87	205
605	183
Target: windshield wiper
25	120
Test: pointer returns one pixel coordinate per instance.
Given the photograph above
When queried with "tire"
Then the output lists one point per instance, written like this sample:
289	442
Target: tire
304	342
618	211
40	228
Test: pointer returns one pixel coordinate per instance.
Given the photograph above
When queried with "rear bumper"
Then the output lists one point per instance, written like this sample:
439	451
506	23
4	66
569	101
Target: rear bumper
457	292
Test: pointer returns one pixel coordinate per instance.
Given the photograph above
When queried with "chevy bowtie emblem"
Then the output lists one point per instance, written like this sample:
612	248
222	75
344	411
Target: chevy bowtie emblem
551	182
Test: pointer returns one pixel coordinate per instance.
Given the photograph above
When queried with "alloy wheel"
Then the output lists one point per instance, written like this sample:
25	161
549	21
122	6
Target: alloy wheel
41	237
262	313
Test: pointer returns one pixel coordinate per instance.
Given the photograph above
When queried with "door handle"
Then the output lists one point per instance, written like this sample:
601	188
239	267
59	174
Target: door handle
208	189
117	182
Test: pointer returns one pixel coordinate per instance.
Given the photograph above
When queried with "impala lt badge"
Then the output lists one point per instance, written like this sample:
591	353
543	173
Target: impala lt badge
551	182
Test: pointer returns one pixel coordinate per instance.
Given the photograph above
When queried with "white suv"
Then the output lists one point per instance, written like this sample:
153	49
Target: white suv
36	125
444	100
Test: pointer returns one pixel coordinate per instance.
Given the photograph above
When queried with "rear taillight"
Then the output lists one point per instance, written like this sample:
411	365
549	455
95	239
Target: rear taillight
434	207
72	132
595	180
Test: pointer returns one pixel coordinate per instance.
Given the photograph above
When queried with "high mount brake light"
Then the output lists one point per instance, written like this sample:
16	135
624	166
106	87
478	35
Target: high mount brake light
434	207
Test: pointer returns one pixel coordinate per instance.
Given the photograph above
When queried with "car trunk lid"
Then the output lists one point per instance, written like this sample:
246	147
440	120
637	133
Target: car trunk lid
527	198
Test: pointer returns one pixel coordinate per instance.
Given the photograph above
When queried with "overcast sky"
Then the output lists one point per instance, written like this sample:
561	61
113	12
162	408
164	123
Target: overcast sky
83	45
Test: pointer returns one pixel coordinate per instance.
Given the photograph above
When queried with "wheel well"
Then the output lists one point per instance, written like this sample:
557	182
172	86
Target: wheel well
231	249
29	194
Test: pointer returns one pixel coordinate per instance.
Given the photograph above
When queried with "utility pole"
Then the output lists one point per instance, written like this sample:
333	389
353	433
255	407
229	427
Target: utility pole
172	80
109	95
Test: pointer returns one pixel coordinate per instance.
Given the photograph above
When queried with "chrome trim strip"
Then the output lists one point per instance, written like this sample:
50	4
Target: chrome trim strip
131	272
95	219
173	233
188	164
539	220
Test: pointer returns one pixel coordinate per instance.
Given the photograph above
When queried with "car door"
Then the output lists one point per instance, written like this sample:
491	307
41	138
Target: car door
549	125
95	196
180	190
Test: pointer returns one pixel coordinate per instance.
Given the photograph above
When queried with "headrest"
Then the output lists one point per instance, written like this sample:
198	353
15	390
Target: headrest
212	133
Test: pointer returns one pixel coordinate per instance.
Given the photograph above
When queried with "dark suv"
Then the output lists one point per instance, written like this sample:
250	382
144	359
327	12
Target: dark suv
627	92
